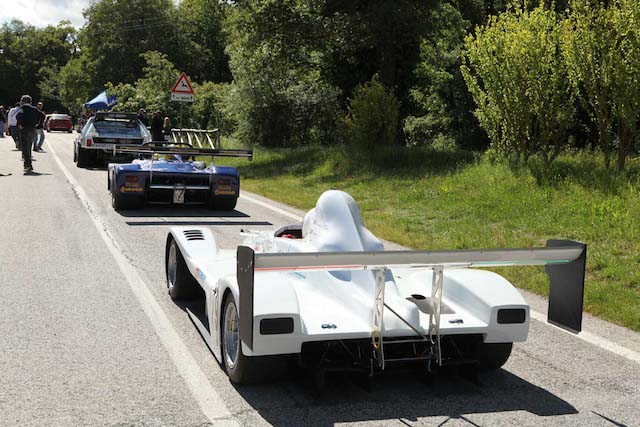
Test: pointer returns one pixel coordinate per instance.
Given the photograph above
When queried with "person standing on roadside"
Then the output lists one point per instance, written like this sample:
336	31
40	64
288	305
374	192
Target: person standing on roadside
13	125
141	116
3	120
28	118
39	139
157	133
167	128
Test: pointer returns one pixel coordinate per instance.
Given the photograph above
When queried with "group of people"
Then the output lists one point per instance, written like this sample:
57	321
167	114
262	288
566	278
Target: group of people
25	123
159	128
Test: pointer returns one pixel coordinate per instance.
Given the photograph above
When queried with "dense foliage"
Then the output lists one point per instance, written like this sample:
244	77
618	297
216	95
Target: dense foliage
527	67
520	84
528	78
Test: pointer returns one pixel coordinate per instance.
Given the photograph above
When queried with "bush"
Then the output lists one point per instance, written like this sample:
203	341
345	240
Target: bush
603	58
210	109
518	79
373	116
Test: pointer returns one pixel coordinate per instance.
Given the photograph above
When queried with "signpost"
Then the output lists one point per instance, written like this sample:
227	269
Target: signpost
182	92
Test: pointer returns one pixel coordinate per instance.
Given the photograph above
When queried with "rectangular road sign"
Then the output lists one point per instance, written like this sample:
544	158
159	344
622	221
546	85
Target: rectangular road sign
182	97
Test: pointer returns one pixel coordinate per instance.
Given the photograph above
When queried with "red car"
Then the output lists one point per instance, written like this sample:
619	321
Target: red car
58	122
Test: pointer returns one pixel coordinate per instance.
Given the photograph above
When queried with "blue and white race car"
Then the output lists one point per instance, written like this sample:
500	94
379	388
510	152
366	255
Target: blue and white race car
103	132
175	178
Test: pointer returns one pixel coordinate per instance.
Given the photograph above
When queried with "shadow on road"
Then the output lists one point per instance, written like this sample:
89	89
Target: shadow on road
403	397
615	423
180	212
215	223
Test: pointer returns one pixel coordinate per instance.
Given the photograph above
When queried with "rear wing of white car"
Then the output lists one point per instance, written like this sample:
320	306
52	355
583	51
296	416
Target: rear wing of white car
564	262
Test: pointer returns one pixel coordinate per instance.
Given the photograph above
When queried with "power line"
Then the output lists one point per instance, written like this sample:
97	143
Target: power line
130	28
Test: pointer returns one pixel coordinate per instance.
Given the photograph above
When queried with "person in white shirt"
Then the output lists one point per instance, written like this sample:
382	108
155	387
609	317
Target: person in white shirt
13	125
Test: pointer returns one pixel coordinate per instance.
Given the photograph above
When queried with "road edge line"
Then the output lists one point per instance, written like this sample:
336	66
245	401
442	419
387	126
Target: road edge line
273	208
201	388
592	339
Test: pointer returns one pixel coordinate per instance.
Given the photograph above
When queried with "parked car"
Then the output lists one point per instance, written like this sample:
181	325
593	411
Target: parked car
60	122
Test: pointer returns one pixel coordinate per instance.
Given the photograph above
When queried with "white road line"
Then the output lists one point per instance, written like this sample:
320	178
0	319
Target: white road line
198	383
585	336
273	208
592	339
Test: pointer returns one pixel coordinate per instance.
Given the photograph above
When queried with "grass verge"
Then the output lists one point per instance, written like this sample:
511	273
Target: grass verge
426	199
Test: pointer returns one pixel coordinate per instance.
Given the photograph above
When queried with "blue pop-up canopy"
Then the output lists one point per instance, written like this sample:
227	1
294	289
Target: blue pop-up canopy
102	102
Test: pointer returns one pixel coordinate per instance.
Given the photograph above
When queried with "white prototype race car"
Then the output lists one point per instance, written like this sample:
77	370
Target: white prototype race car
326	295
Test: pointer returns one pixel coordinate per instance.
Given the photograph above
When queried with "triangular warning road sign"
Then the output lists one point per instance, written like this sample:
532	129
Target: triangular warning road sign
182	85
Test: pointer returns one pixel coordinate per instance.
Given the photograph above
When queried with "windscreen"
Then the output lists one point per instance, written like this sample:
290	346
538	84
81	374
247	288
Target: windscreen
59	117
117	128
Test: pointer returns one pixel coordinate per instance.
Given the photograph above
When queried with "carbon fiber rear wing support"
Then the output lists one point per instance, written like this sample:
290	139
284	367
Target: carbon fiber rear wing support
564	262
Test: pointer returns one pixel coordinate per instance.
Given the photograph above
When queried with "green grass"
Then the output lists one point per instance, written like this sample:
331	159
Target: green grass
426	199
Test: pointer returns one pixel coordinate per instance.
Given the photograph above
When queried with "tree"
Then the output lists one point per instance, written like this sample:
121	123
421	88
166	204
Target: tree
201	30
373	113
211	107
439	102
153	90
119	31
32	55
626	75
588	47
369	37
519	81
279	96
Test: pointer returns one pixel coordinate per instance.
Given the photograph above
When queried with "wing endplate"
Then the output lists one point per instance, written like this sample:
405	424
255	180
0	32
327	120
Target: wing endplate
245	268
566	291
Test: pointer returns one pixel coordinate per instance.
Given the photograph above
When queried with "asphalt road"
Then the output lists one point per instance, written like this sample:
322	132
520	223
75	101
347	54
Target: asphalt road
89	336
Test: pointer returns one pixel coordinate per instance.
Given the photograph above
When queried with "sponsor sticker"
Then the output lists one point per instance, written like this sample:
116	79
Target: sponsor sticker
200	273
124	189
220	192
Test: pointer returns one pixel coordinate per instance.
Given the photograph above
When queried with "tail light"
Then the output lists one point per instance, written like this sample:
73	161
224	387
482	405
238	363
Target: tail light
224	181
131	178
89	142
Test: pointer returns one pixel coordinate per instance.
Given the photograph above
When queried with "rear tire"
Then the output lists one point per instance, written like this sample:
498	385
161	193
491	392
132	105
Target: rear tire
122	203
84	157
243	369
223	203
181	284
492	356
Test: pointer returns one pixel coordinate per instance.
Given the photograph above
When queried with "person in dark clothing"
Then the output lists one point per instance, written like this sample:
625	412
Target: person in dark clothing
3	120
157	130
141	116
28	118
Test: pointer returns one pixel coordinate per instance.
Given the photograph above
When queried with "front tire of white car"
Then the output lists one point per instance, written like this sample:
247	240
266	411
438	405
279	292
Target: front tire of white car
182	285
243	369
